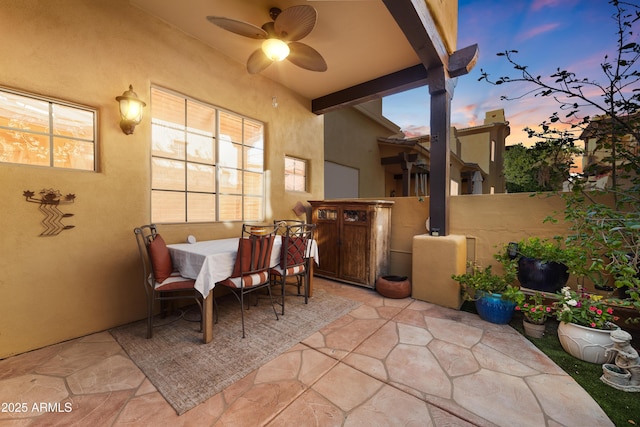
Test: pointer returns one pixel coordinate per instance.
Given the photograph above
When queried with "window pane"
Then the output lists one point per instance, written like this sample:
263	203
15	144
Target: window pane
167	206
253	134
230	127
254	159
289	165
72	122
230	154
167	142
167	109
200	118
230	181
253	183
201	207
23	112
230	208
167	174
71	153
25	148
200	149
253	209
201	178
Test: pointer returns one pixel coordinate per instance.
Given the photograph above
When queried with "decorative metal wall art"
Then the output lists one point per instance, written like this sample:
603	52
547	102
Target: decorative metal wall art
49	201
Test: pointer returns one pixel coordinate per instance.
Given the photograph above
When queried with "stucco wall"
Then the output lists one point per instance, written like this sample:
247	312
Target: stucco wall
357	148
87	279
488	222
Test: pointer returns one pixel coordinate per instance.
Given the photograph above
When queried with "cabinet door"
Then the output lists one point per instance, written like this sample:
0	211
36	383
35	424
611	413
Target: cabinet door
354	248
327	236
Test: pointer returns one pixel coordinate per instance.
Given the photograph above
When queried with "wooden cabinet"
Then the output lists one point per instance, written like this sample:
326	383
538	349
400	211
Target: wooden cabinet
353	239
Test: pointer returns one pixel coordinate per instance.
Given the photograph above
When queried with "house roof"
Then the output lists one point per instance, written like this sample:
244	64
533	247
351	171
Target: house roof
373	48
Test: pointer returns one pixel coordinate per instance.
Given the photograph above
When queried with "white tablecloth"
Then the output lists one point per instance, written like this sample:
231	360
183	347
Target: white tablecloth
211	261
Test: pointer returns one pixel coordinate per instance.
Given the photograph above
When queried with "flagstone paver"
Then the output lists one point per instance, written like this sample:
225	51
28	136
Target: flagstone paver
389	362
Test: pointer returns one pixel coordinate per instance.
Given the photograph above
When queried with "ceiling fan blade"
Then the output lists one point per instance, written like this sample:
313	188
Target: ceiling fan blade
306	57
295	22
238	27
257	62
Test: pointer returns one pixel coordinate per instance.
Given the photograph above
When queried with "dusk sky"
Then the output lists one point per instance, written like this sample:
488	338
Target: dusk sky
570	34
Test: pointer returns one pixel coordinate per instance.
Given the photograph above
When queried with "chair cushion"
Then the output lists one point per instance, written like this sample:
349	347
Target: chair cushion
291	271
295	250
175	282
160	259
249	280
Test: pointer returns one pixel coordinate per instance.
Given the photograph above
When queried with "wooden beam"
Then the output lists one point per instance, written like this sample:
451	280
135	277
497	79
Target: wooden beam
400	81
441	91
417	24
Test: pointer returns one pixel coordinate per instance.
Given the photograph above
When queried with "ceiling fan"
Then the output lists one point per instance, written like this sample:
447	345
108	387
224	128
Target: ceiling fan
280	38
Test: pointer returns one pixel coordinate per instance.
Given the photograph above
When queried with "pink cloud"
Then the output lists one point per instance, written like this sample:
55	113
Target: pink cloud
539	4
536	31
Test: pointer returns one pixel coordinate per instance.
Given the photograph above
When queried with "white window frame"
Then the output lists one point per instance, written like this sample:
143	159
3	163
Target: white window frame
297	161
243	170
53	133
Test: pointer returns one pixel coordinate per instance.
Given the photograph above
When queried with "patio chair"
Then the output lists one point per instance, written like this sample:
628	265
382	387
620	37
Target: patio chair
251	269
294	261
160	282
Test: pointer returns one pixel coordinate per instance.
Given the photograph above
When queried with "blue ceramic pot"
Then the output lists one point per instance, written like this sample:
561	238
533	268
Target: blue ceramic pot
492	308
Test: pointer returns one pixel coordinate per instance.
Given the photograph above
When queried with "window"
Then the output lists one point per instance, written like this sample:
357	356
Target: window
35	130
206	164
295	174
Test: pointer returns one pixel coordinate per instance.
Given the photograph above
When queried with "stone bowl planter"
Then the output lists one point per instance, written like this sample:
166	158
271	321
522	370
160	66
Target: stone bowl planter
586	344
393	286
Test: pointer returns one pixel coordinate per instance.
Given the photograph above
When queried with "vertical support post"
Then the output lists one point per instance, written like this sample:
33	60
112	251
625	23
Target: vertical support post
406	165
441	91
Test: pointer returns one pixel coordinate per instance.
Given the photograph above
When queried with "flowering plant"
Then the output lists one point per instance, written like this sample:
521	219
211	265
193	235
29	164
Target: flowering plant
583	309
534	310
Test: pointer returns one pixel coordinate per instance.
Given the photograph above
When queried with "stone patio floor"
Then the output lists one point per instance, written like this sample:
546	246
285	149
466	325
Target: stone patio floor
390	362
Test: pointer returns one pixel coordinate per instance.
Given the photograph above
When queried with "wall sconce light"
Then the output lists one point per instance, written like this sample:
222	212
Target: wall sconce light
275	49
130	110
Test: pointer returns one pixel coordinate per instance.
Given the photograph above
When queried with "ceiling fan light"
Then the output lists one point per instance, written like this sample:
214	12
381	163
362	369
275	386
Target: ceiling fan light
275	49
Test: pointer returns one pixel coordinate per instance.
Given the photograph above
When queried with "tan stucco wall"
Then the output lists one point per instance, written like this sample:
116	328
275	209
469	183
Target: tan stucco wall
351	139
87	279
487	221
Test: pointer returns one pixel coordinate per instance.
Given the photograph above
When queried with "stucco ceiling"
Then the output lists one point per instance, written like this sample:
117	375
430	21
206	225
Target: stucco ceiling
359	39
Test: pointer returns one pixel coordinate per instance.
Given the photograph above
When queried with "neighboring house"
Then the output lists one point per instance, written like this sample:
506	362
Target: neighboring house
373	151
597	149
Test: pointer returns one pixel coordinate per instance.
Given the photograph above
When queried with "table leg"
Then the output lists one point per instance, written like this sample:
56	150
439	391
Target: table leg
311	263
207	330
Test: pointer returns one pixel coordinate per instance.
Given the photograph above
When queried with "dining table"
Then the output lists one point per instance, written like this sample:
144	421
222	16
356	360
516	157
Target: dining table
211	261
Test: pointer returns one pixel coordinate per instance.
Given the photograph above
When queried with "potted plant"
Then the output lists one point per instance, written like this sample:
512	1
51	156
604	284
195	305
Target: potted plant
494	296
535	314
585	325
543	264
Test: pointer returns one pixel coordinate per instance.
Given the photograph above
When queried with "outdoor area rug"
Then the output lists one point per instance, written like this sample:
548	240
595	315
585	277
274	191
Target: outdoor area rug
187	372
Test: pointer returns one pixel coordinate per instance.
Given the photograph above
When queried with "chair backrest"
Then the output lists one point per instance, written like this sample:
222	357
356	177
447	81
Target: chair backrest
283	223
254	249
154	254
295	244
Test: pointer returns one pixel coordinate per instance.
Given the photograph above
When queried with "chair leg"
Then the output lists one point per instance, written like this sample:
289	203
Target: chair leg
272	304
150	315
242	310
282	292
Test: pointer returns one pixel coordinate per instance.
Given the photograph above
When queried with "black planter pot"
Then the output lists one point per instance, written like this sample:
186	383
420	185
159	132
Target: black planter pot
542	276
